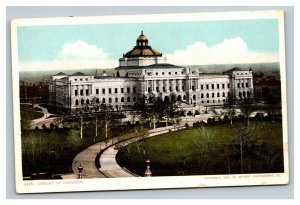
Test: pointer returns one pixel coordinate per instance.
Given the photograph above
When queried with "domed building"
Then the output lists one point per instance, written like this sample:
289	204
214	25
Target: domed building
142	71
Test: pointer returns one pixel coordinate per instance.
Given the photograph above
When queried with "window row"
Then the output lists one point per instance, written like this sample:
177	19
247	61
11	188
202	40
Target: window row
170	89
242	85
213	101
213	95
81	79
163	73
115	90
212	86
110	100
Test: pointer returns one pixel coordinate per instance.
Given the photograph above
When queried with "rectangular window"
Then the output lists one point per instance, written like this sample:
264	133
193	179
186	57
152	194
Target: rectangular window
170	88
223	85
227	85
246	85
207	87
116	90
183	88
76	92
81	92
201	87
122	90
218	86
212	86
109	90
242	85
103	91
177	88
238	85
97	91
157	90
149	90
164	89
213	95
134	89
128	90
193	88
87	92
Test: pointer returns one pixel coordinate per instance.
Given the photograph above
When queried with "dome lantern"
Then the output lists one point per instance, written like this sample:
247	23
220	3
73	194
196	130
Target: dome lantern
142	49
142	40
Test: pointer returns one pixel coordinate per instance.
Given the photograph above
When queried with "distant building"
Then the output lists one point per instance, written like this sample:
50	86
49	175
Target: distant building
34	93
142	71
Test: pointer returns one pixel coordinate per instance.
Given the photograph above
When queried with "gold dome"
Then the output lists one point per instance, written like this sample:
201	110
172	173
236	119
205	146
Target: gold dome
142	48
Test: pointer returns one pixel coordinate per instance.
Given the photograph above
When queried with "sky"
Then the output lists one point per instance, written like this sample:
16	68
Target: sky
183	43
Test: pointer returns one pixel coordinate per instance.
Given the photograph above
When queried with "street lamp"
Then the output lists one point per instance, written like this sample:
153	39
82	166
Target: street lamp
148	172
80	168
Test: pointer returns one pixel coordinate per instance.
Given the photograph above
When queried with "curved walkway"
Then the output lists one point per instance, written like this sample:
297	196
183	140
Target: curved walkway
108	164
43	120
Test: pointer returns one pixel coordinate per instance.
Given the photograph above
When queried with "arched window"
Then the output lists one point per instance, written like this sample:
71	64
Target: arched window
244	94
194	97
223	94
184	97
87	101
179	97
128	99
103	100
207	95
76	102
218	94
109	100
82	101
97	100
118	74
122	99
202	96
213	95
116	100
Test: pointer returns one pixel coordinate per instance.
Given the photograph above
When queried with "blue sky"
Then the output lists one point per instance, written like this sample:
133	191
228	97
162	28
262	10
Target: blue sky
191	40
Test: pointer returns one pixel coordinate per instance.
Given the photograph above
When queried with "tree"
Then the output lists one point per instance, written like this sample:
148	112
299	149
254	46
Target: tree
205	147
149	108
171	109
245	143
229	105
246	104
273	99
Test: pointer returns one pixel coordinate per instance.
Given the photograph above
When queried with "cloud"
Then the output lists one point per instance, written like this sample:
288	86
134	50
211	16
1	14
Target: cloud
81	50
74	55
230	51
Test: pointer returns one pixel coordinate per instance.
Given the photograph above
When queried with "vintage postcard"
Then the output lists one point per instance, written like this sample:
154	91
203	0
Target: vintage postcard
149	101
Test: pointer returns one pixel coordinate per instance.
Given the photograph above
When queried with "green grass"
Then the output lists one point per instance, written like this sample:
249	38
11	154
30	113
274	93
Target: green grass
29	113
207	150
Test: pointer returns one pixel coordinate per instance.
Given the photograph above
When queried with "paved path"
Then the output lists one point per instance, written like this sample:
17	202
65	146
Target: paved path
43	120
108	164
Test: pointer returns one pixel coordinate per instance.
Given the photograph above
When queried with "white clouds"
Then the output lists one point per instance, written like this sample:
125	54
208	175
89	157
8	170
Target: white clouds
81	55
75	55
230	51
81	50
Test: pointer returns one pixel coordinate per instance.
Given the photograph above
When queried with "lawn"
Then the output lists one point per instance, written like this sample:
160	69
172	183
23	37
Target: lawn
208	149
29	113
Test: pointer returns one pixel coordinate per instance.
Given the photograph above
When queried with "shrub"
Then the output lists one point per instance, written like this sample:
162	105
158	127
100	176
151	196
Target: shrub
186	125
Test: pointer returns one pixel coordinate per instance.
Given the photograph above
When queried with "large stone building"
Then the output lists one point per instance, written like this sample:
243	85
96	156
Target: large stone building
144	70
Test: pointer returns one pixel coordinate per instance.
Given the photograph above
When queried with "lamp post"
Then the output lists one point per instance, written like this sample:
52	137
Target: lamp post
80	168
148	172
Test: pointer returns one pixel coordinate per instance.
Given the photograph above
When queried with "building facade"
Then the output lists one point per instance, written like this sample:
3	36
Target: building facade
144	71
